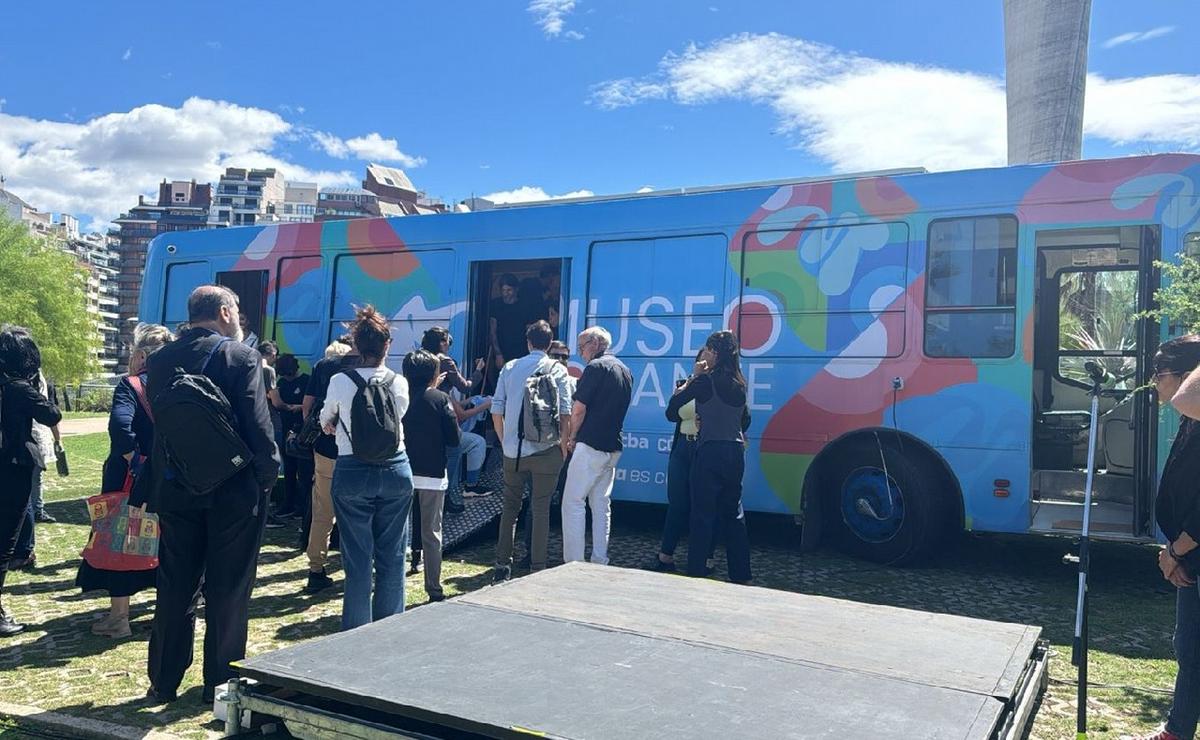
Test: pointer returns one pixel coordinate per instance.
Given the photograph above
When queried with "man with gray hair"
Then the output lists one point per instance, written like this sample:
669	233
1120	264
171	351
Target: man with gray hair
210	539
597	417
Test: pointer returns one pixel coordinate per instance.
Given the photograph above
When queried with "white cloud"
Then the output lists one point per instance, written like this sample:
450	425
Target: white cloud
370	147
529	194
858	113
99	166
128	53
551	15
573	35
1137	37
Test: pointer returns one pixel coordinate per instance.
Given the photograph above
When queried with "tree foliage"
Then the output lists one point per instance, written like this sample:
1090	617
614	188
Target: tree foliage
44	289
1179	297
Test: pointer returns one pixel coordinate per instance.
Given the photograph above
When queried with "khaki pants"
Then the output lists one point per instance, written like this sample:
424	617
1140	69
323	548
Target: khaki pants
431	538
541	470
322	513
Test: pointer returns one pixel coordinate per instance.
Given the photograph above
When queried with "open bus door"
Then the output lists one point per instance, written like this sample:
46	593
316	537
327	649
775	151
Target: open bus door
1092	285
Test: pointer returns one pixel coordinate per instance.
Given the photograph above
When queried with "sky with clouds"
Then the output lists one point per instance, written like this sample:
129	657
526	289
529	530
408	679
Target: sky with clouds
523	100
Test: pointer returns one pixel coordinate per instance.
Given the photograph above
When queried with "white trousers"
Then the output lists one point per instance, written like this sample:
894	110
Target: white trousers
589	483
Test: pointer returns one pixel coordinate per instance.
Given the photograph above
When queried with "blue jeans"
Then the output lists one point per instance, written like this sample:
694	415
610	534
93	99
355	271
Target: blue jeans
372	504
1185	708
454	475
35	496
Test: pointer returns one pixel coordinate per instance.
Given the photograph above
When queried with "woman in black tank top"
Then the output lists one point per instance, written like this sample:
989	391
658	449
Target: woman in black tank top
719	390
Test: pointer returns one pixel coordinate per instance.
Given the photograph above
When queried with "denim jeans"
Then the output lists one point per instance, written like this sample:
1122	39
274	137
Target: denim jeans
1185	709
454	475
679	493
716	483
35	495
372	504
474	449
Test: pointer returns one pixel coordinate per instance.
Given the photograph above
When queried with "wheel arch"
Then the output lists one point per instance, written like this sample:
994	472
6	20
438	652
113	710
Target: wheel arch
900	441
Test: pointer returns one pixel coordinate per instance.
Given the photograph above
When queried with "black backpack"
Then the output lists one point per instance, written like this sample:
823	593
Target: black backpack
194	430
373	416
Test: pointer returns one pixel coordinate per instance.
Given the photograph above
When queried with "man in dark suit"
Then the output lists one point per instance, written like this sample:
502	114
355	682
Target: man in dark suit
209	542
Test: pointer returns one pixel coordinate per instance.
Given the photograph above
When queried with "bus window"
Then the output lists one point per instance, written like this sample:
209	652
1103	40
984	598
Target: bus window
971	287
182	278
298	306
251	289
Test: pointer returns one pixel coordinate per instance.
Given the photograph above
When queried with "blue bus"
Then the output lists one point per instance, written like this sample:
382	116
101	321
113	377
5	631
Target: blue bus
913	342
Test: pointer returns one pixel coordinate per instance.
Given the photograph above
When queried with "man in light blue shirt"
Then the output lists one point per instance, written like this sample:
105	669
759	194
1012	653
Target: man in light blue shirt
529	460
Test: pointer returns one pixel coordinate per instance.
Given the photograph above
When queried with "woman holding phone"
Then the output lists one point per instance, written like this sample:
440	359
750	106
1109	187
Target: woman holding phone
718	390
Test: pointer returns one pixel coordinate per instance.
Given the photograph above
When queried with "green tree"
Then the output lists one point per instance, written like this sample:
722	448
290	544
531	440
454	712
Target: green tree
1179	298
45	289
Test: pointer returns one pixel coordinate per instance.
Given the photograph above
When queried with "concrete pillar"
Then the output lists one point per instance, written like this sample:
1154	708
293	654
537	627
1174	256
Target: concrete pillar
1045	54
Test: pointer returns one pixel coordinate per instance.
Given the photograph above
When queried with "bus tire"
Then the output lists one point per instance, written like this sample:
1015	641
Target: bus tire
900	524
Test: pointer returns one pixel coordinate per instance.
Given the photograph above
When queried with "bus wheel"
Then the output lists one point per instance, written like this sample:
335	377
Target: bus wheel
885	506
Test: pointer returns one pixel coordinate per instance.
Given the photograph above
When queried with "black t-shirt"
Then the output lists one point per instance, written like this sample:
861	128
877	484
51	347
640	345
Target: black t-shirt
511	321
292	392
318	387
605	388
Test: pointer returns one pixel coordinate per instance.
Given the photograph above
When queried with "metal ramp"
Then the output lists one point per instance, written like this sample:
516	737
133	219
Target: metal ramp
587	651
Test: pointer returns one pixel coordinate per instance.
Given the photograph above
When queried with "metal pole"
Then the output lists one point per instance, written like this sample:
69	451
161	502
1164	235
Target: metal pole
1080	646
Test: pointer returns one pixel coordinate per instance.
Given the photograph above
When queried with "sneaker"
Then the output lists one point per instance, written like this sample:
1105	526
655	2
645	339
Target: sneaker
8	625
273	522
436	597
659	565
317	582
28	563
476	491
455	509
44	518
414	567
501	574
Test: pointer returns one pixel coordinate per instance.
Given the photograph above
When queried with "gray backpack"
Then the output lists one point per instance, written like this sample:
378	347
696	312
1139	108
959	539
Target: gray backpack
539	409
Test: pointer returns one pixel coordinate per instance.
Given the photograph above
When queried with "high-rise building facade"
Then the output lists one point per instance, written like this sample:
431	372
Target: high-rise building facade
181	206
246	197
1045	52
299	202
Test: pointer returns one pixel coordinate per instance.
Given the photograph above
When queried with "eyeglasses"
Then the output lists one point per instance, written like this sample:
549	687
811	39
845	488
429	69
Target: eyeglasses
1162	374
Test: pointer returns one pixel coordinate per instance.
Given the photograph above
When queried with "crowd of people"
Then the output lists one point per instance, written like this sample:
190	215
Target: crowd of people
220	440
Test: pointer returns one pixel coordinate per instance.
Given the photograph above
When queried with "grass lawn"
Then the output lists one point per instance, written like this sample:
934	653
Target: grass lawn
59	665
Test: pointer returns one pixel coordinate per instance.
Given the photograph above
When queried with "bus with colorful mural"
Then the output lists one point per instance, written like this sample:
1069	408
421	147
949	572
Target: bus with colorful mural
913	342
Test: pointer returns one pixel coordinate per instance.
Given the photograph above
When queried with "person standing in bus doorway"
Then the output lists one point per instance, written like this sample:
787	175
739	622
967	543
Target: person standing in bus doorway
719	390
1177	511
528	460
597	419
508	317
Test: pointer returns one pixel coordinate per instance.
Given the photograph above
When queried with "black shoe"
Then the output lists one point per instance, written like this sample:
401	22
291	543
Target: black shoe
657	565
159	697
477	489
317	582
8	625
450	508
436	597
44	518
28	563
273	522
501	574
415	566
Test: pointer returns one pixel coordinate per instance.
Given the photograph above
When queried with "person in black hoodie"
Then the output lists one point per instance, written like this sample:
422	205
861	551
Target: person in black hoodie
20	405
208	541
430	427
1177	511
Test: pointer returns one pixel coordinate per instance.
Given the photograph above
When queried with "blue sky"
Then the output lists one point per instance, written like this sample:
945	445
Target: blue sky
102	100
